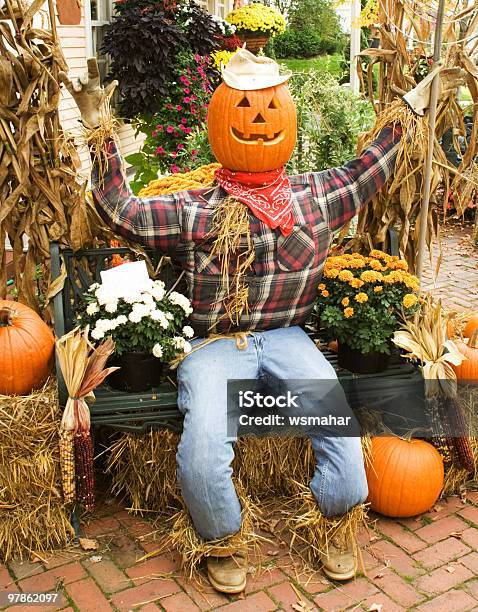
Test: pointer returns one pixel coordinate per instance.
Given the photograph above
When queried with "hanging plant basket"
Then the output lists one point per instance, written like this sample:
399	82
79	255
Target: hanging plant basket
255	41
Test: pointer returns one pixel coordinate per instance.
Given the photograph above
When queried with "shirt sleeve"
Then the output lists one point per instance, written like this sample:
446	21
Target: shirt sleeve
349	187
153	222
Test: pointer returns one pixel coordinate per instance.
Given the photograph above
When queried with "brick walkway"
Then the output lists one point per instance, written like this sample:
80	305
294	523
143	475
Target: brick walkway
429	563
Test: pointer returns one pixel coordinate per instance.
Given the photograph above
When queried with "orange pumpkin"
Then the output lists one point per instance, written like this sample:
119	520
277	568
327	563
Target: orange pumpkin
26	349
471	325
468	368
405	478
252	131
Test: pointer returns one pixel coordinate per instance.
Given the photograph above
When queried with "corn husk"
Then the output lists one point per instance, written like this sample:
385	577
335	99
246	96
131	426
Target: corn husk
398	205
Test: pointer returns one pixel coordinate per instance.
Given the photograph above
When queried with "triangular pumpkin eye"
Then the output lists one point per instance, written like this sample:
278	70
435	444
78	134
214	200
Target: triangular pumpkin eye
274	103
244	103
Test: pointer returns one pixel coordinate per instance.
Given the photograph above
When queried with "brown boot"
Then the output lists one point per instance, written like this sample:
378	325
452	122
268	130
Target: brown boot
227	574
340	562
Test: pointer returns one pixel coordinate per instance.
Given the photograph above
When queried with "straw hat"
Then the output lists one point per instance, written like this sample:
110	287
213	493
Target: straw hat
246	71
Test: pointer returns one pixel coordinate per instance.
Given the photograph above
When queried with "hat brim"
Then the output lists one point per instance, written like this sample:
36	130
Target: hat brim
251	83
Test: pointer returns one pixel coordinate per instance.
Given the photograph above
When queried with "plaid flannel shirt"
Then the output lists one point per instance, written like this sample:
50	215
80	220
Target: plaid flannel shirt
286	270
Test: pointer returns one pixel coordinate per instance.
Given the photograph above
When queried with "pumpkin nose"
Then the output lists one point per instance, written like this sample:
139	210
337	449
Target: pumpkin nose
259	119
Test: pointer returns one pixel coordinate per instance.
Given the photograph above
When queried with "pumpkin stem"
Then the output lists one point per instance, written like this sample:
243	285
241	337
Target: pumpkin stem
473	341
6	316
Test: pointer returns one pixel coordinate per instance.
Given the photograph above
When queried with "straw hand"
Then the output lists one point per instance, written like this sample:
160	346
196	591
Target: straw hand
418	99
88	93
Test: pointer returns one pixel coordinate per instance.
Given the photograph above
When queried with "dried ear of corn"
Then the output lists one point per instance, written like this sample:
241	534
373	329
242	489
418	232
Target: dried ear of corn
195	179
402	23
67	464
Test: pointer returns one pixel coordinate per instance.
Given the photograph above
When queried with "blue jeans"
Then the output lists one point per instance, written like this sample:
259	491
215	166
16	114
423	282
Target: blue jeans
206	451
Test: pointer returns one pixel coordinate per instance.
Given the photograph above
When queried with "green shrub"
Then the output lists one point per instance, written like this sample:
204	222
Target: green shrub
298	43
329	120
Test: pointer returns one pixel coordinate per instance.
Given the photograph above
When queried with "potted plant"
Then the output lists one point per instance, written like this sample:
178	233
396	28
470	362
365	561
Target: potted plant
255	24
360	301
147	326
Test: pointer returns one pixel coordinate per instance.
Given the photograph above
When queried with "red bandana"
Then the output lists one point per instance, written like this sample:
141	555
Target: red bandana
267	194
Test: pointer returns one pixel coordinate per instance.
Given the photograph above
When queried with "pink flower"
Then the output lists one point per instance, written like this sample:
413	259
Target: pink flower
194	97
184	80
170	129
179	107
186	90
169	106
184	120
188	130
197	58
180	146
187	100
193	78
176	134
173	154
174	169
160	151
181	127
159	128
154	133
194	153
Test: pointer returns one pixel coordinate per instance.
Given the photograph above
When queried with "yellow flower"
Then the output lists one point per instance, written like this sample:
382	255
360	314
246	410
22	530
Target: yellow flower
321	287
348	312
409	300
361	297
398	265
379	254
332	273
325	293
370	276
376	265
378	288
345	301
345	275
356	283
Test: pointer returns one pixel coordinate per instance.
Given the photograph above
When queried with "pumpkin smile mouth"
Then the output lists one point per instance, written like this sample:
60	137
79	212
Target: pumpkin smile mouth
254	138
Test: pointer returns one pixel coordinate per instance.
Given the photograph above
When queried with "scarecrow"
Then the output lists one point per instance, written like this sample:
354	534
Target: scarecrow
252	248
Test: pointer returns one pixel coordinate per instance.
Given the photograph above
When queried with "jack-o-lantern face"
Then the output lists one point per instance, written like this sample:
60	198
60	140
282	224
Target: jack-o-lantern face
252	131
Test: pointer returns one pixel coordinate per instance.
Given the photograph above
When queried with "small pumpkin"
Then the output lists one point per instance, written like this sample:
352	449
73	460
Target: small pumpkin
405	477
26	349
471	325
468	368
252	131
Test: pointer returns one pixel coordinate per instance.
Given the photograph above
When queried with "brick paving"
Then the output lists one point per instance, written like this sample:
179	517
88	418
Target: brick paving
428	563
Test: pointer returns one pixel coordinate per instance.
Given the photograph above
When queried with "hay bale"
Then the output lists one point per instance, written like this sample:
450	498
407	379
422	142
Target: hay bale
143	469
33	516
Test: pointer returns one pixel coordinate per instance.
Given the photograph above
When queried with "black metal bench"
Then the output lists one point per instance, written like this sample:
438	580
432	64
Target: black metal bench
139	412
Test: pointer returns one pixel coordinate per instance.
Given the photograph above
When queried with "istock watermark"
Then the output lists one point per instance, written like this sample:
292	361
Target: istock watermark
353	406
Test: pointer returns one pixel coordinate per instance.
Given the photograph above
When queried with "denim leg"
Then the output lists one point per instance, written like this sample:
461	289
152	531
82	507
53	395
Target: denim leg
205	451
339	481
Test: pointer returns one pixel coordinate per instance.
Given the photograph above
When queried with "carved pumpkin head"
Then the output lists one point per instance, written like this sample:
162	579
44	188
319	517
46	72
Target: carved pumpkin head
252	123
253	130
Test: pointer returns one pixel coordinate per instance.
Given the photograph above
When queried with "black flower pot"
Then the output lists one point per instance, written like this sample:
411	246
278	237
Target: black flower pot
361	363
139	371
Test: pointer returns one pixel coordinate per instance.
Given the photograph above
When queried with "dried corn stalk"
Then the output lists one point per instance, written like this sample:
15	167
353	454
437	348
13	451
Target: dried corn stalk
403	23
40	196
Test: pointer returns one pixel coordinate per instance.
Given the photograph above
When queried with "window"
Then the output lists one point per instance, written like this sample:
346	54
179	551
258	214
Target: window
98	15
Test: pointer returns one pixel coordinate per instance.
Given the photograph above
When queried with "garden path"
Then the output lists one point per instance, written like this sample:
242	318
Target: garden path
429	563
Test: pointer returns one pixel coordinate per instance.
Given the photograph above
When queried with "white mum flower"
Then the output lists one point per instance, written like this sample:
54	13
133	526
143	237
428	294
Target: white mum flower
187	348
121	320
92	308
188	331
93	287
158	350
169	316
181	301
160	317
97	334
112	306
103	325
158	290
134	317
